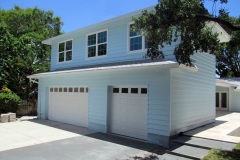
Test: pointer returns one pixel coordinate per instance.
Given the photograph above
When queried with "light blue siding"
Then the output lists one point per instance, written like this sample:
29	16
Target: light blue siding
117	47
158	82
193	95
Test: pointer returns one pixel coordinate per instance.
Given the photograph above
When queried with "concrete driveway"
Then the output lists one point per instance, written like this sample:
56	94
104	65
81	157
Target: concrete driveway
44	139
225	128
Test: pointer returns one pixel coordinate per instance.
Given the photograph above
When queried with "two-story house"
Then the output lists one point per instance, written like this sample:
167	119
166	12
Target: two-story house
99	79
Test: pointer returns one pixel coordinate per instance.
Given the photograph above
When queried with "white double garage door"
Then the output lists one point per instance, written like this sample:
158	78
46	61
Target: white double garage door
128	108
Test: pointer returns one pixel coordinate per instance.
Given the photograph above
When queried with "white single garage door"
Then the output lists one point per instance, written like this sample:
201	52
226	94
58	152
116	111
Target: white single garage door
129	108
69	105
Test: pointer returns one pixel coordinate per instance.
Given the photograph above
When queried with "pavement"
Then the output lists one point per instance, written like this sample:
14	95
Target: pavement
226	123
43	139
30	138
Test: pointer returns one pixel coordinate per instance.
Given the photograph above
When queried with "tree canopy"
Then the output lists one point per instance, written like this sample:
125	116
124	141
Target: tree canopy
22	53
183	21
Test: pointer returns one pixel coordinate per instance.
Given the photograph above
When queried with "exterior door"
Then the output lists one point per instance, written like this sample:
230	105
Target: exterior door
69	105
129	108
222	100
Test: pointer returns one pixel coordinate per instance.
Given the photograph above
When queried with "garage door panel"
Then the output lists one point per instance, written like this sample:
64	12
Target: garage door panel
129	114
69	107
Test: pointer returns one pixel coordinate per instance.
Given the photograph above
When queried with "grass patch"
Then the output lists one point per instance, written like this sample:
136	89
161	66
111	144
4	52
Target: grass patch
217	154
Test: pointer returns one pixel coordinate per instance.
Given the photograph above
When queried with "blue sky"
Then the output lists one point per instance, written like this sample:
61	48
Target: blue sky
79	13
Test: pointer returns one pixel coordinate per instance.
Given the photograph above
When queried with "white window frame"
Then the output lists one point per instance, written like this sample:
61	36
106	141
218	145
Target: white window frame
97	56
65	51
143	49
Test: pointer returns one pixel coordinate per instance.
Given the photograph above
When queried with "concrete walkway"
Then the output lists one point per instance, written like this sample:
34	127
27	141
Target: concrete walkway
226	123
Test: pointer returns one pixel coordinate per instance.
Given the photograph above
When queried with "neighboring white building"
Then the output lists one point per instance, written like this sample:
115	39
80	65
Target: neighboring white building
228	94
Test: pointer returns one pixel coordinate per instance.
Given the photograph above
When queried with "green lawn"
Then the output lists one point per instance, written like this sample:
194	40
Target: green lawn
217	154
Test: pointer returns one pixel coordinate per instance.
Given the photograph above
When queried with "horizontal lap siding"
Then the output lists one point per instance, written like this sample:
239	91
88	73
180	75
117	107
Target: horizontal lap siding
193	94
116	51
157	82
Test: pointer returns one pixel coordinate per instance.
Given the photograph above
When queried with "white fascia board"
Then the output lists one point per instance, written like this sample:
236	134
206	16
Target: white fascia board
223	35
192	69
224	84
49	41
158	65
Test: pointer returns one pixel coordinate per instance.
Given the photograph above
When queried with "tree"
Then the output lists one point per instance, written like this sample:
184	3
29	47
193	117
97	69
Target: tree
22	53
227	59
183	21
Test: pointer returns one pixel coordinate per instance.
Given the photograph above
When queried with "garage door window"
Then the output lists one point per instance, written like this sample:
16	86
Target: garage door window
60	89
51	89
124	90
82	90
115	90
70	90
87	90
65	89
76	89
55	89
134	90
143	90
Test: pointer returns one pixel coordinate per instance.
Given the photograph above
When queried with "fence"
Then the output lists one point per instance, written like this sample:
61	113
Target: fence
27	108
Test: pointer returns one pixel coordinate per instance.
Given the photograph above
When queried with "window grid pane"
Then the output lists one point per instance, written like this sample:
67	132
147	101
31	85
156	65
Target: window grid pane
102	49
134	33
61	57
68	55
115	90
91	39
69	45
61	47
76	89
143	90
135	43
124	90
60	89
102	37
82	90
134	90
92	51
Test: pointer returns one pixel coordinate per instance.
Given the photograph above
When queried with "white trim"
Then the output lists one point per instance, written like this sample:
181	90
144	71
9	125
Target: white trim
159	65
96	33
112	20
63	62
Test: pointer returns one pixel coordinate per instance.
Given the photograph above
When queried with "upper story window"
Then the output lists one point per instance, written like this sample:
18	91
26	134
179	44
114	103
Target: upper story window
65	51
136	39
97	44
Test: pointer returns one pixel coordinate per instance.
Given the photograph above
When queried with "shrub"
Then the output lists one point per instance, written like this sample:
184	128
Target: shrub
9	102
5	89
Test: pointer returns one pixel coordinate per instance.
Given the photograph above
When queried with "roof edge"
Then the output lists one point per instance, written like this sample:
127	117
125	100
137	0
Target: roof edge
49	41
165	64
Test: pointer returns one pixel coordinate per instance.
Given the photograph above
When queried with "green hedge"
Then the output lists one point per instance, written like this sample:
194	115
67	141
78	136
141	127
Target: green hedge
9	102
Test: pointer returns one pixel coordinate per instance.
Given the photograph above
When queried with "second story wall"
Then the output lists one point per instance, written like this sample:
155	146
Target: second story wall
117	42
